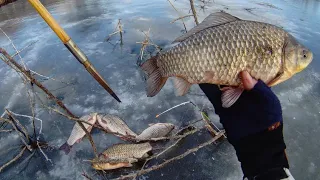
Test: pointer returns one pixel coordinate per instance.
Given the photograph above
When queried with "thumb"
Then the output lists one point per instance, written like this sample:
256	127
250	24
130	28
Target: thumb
247	81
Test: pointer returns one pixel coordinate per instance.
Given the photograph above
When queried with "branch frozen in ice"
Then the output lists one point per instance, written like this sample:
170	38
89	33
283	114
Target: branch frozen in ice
45	156
194	12
32	80
147	42
30	117
29	45
184	25
6	130
173	21
118	29
13	160
14	47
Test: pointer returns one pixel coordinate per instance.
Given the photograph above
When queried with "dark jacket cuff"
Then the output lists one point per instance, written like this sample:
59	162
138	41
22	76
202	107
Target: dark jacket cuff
261	152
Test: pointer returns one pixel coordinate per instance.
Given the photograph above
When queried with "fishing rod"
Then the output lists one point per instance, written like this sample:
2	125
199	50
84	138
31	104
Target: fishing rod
72	47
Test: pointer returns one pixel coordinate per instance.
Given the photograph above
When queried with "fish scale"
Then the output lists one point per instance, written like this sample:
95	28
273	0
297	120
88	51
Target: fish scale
155	131
114	124
121	155
122	151
250	53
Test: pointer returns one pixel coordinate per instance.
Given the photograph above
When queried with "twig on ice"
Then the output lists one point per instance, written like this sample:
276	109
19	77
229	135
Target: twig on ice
13	160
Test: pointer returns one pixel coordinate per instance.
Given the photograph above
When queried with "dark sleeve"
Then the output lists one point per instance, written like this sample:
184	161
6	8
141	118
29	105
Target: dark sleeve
259	147
263	154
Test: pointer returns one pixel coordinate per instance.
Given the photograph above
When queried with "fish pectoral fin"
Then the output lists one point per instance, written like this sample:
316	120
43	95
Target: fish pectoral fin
281	76
128	164
275	81
132	160
146	155
182	86
230	95
214	19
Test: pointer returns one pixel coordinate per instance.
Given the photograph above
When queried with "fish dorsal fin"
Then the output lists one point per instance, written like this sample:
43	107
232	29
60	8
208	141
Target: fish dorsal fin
214	19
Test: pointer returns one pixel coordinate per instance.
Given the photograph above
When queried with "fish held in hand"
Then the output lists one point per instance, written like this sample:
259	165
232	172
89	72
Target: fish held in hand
121	155
221	47
78	133
113	124
155	131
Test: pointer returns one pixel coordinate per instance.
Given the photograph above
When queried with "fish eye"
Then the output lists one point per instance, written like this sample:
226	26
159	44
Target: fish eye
304	52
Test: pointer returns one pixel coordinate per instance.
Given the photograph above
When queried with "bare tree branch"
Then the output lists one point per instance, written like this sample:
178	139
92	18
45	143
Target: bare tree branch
51	96
18	126
208	124
14	47
84	174
184	25
118	29
18	52
181	18
20	135
30	93
45	156
194	12
13	160
30	117
6	130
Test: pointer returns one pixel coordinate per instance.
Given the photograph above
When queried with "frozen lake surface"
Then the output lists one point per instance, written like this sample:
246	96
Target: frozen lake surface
89	22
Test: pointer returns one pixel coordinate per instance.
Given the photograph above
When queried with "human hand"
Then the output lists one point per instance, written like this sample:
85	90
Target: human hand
257	108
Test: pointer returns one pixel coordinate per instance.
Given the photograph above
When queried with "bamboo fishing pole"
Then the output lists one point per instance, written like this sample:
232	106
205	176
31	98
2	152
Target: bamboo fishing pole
72	47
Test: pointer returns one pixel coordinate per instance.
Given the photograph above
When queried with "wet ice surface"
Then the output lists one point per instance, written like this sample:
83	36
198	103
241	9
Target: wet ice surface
88	23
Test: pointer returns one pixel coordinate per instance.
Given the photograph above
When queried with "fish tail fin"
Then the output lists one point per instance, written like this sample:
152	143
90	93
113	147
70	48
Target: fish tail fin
65	147
155	81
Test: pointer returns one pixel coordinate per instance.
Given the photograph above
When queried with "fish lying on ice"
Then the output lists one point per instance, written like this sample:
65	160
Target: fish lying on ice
222	46
114	124
121	155
77	133
155	131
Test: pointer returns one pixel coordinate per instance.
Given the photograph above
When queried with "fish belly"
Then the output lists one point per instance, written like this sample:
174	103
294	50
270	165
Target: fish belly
216	55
